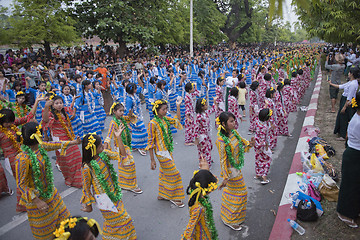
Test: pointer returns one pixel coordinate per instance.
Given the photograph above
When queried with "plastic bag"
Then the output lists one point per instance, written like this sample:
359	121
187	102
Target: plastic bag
315	163
321	151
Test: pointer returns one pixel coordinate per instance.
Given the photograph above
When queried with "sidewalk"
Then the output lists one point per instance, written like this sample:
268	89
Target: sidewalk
281	229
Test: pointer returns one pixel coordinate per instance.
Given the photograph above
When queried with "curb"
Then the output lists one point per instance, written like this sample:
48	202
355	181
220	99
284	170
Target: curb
281	229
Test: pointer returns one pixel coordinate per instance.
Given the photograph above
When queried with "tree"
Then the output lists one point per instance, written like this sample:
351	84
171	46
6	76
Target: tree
41	22
117	20
333	21
238	17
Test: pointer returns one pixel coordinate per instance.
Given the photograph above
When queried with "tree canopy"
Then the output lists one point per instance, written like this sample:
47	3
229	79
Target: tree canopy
40	22
333	21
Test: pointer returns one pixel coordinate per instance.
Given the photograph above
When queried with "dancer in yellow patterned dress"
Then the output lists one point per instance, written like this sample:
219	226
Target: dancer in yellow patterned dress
44	205
127	169
161	141
201	224
231	149
100	185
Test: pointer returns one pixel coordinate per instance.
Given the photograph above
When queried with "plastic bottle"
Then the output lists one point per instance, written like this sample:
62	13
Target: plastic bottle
296	227
302	187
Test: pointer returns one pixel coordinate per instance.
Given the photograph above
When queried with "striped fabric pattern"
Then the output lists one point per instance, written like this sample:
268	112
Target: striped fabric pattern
91	123
127	171
100	114
3	181
116	225
234	200
197	227
139	135
170	182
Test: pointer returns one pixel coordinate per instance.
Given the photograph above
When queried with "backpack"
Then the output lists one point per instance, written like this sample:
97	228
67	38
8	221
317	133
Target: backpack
328	189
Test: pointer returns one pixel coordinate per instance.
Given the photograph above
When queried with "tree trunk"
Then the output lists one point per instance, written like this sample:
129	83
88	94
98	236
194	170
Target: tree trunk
122	47
47	50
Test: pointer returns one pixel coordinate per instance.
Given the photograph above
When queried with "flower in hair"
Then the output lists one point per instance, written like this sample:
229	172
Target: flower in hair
91	145
112	107
270	113
354	103
203	101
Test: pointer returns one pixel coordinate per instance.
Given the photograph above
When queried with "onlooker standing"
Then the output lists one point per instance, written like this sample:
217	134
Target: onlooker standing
337	71
348	206
345	112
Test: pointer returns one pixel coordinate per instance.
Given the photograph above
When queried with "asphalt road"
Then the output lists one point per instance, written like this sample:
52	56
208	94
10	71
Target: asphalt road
160	220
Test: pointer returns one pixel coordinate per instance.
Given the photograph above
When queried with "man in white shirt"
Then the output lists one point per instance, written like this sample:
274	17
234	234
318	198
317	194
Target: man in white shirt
230	82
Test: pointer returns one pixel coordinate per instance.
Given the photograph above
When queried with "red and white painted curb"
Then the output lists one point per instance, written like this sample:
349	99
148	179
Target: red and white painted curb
281	229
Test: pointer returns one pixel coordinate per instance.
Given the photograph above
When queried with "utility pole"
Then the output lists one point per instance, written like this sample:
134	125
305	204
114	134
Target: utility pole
191	29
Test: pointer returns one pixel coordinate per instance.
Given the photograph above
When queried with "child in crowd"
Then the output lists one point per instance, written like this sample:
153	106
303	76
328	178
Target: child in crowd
242	97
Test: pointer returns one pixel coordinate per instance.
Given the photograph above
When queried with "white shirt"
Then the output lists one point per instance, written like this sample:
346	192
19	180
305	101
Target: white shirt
354	132
350	89
229	82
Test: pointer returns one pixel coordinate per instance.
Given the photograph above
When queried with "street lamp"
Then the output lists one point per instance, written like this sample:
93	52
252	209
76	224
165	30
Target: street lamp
191	29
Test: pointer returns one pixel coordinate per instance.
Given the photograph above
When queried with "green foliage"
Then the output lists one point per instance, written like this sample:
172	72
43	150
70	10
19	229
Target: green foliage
41	22
333	21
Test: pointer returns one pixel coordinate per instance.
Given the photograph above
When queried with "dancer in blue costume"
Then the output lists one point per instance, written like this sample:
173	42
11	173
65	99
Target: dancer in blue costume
69	101
36	93
172	90
151	94
85	106
139	133
77	84
99	104
212	84
161	93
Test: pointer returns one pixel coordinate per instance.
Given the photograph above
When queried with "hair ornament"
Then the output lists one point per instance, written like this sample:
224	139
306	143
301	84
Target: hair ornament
37	135
112	107
203	191
203	101
220	126
20	93
156	104
195	172
2	115
91	144
270	113
354	103
271	89
70	223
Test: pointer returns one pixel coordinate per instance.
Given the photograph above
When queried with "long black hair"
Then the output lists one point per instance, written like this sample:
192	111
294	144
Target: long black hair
199	105
81	229
254	85
264	114
27	130
84	83
87	154
224	117
8	116
204	177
